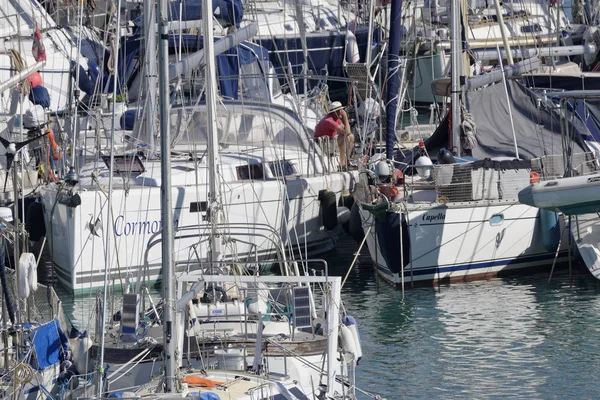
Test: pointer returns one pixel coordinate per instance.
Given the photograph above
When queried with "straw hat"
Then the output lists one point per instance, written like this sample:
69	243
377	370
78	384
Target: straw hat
335	106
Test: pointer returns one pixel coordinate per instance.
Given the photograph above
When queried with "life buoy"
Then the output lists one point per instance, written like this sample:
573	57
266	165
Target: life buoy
25	262
534	177
352	53
328	209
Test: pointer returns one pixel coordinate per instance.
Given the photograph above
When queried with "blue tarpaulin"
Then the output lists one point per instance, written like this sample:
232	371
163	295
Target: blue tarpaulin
48	342
39	95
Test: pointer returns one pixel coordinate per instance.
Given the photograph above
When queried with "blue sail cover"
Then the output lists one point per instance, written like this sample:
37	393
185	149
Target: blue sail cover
48	342
128	64
229	63
391	101
229	68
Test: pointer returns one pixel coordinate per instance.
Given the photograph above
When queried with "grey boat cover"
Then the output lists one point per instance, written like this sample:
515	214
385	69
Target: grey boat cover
537	129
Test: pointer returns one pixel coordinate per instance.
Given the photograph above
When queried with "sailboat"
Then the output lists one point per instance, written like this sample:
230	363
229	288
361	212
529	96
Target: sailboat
568	182
272	172
533	29
246	335
35	358
460	219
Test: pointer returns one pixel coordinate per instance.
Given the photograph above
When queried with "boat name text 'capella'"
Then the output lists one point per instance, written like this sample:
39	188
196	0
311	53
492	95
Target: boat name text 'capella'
434	217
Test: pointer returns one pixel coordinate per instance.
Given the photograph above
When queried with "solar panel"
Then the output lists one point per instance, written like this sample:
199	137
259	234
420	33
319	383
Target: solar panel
130	316
302	314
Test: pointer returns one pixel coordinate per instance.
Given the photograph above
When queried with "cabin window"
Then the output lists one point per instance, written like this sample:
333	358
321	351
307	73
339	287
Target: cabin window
251	171
282	168
198	206
183	168
273	79
496	219
125	164
253	84
531	28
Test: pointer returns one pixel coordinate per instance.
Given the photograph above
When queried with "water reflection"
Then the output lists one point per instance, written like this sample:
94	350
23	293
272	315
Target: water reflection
514	337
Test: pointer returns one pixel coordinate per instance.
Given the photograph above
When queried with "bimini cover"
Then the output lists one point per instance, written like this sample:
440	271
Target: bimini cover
48	342
537	129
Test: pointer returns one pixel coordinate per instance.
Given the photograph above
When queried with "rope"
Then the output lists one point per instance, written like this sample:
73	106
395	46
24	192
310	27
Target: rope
357	254
19	64
469	141
23	373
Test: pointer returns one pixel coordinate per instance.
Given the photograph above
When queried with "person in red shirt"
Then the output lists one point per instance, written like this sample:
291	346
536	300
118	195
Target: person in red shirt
335	124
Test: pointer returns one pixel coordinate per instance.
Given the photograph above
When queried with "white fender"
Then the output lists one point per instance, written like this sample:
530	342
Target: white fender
352	54
24	261
423	166
357	344
192	313
82	361
347	340
33	277
257	305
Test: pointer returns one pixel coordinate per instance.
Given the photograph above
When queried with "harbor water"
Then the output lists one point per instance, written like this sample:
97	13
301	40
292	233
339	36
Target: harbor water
520	337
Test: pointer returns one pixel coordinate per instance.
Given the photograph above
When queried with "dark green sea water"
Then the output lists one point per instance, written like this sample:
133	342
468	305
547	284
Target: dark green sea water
520	337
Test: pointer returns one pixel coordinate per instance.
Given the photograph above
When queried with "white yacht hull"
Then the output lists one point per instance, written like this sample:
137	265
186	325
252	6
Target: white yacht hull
462	243
586	235
77	235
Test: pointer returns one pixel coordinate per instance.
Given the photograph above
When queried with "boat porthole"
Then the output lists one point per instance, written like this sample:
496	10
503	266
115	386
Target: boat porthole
496	219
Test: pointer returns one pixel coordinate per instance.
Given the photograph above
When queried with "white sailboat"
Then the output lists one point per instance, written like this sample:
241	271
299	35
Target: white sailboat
272	174
461	219
573	189
530	28
259	336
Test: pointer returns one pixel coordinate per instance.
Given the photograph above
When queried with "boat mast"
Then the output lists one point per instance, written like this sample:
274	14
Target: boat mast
503	32
150	60
392	83
165	191
210	82
107	252
456	71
